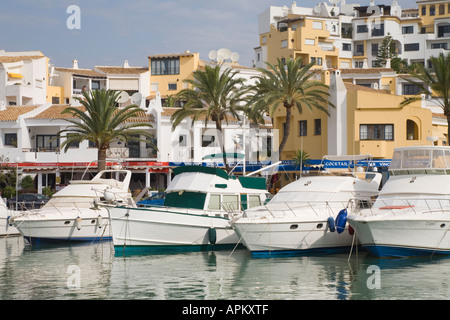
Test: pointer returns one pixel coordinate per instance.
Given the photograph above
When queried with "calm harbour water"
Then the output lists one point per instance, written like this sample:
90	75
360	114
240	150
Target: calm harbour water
94	271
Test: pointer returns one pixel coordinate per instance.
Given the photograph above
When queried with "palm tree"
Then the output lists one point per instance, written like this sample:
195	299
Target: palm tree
290	86
215	96
434	83
102	122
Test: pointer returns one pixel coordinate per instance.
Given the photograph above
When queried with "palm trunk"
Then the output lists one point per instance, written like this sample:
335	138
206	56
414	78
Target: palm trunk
219	127
286	130
101	155
448	130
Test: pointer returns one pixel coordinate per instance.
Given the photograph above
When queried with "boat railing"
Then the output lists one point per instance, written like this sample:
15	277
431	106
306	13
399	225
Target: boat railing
312	208
410	205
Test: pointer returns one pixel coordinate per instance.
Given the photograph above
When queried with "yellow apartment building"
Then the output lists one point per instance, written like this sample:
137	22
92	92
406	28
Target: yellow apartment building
365	121
435	16
302	36
167	72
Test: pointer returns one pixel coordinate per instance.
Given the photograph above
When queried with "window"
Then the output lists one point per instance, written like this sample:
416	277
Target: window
346	47
214	202
284	43
411	47
208	140
376	132
95	85
432	10
374	49
424	10
317	127
165	66
253	201
230	202
309	42
263	39
11	139
378	30
442	45
319	61
362	29
359	49
444	31
172	86
49	142
441	9
182	140
55	100
74	144
302	128
408	29
410	89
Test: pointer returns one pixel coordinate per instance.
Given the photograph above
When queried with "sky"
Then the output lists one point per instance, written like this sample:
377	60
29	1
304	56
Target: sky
112	31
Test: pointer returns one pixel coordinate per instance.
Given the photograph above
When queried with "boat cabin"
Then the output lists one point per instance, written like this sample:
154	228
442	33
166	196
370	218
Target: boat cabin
212	189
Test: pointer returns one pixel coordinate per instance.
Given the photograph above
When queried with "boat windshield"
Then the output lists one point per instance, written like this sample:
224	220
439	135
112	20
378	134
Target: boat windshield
433	202
420	161
295	196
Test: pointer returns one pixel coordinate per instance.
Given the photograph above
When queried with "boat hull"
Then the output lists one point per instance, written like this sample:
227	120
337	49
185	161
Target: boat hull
403	235
57	227
263	237
168	229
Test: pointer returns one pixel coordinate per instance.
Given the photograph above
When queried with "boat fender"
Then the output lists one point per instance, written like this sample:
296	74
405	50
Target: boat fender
212	234
99	221
331	224
351	231
341	220
78	223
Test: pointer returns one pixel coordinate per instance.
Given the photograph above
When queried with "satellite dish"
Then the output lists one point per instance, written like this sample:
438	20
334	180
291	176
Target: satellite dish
234	57
317	9
335	2
212	55
123	97
136	98
224	53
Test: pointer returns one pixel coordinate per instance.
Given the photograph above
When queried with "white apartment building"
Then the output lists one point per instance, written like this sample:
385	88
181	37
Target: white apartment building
23	78
418	33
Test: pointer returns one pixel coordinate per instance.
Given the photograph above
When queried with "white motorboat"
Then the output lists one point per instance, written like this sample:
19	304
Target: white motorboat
199	205
411	215
6	226
73	213
308	215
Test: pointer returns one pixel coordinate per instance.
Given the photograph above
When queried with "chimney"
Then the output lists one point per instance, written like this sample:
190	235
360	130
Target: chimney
75	64
388	63
125	64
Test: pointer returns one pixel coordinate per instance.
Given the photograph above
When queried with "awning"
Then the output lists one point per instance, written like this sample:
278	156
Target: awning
227	155
438	132
15	75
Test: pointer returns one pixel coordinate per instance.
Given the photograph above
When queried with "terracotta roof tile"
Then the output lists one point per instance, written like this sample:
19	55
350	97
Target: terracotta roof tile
82	72
122	70
11	113
355	87
171	55
11	59
55	112
366	70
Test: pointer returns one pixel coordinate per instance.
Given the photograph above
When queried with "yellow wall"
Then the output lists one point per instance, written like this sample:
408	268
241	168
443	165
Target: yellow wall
188	64
427	19
364	106
296	43
53	91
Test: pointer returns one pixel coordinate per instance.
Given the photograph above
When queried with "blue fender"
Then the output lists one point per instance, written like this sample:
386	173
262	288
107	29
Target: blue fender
341	220
331	224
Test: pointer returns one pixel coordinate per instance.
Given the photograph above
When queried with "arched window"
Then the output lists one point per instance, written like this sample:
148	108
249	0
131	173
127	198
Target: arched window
441	9
432	10
412	130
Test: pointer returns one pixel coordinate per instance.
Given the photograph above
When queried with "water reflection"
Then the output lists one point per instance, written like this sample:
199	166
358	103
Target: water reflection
46	272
